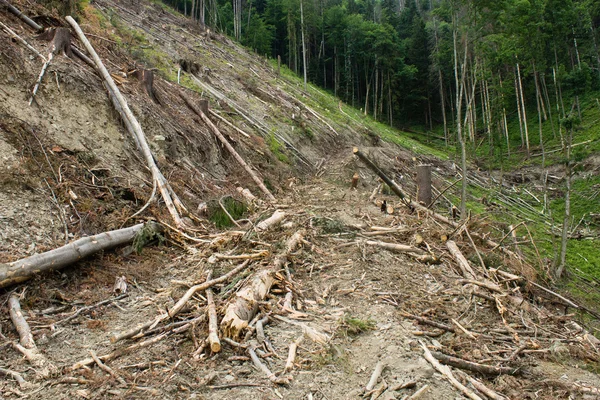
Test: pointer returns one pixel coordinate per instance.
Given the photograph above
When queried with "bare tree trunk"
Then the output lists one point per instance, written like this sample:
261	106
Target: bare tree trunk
460	88
443	103
519	110
524	110
565	229
538	98
303	45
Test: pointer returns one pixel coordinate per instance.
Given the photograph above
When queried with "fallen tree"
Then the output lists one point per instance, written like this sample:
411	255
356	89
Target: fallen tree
134	128
24	269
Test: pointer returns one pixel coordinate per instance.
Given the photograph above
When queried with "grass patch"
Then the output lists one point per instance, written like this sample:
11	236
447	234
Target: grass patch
353	326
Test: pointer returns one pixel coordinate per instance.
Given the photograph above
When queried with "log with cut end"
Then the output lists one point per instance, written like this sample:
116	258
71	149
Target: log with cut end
465	268
213	324
24	269
242	308
274	219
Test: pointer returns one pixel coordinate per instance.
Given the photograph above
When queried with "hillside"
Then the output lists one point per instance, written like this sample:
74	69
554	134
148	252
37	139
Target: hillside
346	301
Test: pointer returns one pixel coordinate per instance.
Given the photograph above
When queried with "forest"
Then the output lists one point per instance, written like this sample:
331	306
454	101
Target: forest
420	63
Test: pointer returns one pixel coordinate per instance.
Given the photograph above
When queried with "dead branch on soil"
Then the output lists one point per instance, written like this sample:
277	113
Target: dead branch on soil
22	41
447	372
281	380
179	305
27	346
474	367
24	269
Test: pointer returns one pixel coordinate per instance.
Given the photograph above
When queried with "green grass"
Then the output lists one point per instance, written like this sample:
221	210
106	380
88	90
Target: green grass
353	326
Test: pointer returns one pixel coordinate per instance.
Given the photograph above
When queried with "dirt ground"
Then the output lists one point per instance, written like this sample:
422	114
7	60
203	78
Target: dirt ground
68	169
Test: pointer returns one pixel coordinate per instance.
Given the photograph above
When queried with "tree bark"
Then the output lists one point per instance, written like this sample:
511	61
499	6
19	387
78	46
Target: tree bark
24	269
424	184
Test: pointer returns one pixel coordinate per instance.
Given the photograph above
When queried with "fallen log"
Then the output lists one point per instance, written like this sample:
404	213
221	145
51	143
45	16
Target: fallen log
474	367
447	372
393	185
27	346
21	40
136	129
213	324
20	15
274	219
22	270
229	147
242	308
463	264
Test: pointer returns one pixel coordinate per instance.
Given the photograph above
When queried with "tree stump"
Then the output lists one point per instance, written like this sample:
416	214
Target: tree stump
424	184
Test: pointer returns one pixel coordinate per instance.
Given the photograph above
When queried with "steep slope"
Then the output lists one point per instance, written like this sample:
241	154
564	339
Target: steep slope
72	170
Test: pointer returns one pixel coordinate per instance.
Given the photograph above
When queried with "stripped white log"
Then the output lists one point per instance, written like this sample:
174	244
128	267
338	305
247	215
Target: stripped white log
137	131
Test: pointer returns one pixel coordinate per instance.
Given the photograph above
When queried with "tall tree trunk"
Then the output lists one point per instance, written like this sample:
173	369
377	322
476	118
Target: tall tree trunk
460	87
547	99
559	102
538	98
375	92
390	106
443	103
303	44
519	110
565	229
524	110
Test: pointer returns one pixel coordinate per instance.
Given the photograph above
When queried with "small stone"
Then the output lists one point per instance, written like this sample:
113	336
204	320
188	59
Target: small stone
229	378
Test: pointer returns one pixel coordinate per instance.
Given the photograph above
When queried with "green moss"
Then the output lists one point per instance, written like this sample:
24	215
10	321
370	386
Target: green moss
277	148
234	207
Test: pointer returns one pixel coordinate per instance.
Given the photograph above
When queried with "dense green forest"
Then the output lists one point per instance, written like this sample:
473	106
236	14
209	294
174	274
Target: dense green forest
417	62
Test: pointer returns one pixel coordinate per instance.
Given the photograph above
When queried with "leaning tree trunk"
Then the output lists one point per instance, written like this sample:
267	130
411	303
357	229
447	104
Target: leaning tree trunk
22	270
157	176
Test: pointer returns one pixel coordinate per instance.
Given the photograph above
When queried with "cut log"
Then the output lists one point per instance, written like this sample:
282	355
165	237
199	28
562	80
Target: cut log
242	308
20	15
395	188
24	269
228	146
213	324
136	131
274	219
463	264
